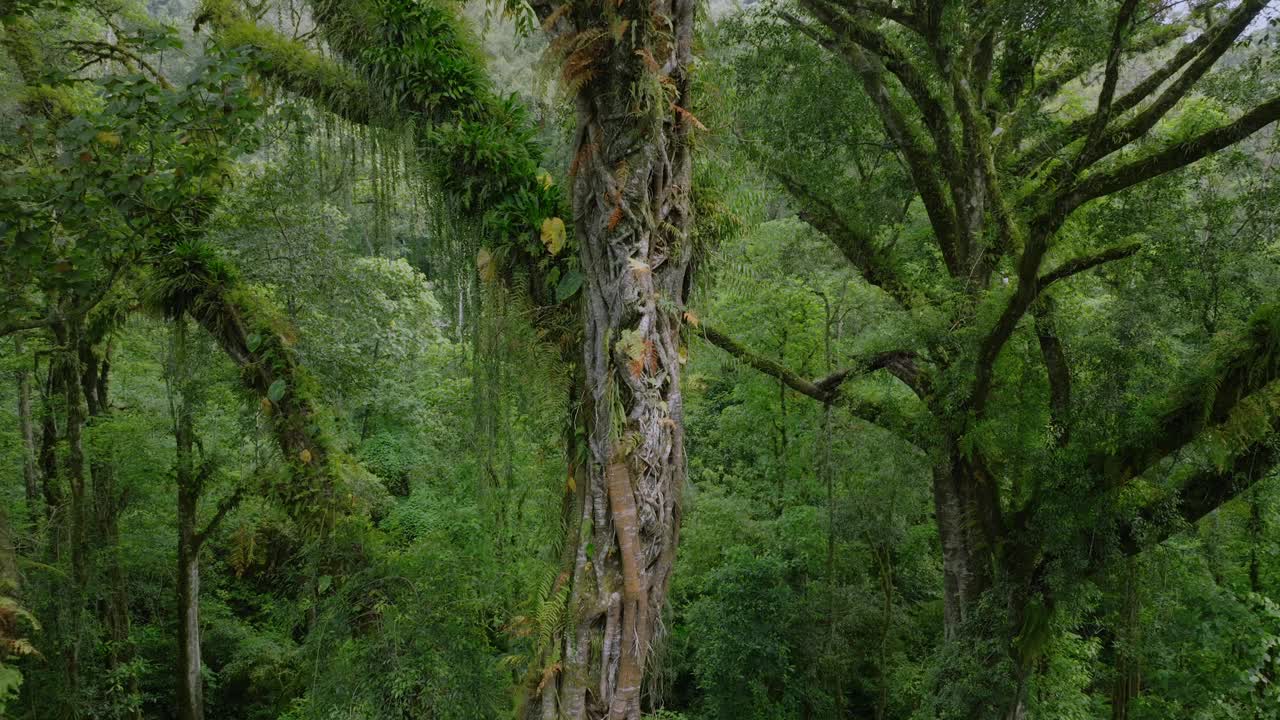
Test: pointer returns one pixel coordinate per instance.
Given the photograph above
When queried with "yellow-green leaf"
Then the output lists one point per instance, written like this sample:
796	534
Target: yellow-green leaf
553	234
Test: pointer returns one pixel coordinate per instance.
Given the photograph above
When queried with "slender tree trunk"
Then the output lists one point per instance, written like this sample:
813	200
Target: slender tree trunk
190	688
48	457
30	475
95	369
632	220
68	339
1127	669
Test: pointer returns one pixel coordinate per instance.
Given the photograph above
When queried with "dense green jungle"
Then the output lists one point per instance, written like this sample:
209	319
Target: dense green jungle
639	359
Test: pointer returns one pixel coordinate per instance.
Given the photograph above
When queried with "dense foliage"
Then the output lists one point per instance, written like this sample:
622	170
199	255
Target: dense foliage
353	369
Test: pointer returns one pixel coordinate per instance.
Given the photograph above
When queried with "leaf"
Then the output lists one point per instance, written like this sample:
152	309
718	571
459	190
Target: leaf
277	390
568	285
692	319
266	406
631	343
305	456
485	265
323	583
553	234
253	342
108	138
544	179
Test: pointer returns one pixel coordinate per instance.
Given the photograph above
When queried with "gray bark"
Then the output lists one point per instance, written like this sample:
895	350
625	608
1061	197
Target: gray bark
632	219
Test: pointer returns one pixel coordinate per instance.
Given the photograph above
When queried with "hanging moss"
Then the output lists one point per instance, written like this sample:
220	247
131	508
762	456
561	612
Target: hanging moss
191	278
418	64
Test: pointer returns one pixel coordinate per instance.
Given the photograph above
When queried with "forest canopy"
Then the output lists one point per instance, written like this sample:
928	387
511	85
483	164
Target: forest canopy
661	359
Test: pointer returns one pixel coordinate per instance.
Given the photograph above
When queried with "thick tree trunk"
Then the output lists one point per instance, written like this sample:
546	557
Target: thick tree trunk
981	557
960	505
632	217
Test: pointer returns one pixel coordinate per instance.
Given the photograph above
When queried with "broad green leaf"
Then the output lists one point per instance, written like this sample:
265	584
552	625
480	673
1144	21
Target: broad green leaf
568	285
277	389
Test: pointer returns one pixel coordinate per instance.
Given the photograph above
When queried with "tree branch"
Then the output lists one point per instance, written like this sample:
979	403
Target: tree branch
293	66
1080	264
1173	157
920	163
858	247
1020	302
827	389
1056	368
228	504
1223	37
1207	400
1199	494
1239	18
1102	115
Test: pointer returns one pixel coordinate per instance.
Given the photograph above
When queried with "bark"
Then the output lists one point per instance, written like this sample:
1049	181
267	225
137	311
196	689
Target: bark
190	689
68	335
632	219
30	475
48	457
113	602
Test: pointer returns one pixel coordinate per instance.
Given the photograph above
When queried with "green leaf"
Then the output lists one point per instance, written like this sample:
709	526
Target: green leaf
276	391
568	285
323	583
253	342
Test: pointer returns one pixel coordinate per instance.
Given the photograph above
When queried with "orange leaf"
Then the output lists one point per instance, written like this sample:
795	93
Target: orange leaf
688	116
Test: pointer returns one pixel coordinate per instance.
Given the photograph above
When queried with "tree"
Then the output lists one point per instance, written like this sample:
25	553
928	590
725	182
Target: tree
969	102
628	70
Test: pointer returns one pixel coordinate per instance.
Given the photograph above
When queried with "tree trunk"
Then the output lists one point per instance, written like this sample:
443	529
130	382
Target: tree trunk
966	558
1127	681
190	688
632	220
979	558
95	369
48	457
68	339
30	476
